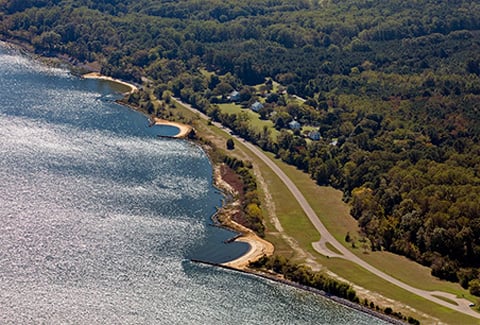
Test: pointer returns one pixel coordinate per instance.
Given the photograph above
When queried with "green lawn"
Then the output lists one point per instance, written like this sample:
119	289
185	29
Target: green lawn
254	118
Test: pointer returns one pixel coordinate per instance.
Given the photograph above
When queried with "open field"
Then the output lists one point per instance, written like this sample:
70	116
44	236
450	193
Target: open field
254	118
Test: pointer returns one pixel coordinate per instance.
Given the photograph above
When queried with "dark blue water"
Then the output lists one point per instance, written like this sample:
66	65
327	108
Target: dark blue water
99	217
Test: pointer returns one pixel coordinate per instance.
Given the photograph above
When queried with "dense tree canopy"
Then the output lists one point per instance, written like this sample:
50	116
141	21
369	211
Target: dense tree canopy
393	87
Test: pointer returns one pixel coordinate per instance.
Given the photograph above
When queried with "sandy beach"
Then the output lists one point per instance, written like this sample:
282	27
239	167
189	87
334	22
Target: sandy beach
184	129
258	248
96	75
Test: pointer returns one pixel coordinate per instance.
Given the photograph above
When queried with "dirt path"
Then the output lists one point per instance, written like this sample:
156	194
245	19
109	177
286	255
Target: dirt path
462	305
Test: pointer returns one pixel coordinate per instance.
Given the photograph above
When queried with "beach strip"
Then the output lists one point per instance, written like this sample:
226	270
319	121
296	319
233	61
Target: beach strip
184	128
258	248
96	75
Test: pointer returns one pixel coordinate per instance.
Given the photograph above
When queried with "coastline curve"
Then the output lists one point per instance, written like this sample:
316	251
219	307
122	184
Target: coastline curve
184	129
96	75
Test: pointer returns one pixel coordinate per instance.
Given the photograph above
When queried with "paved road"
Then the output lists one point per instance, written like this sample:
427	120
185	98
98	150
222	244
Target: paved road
326	236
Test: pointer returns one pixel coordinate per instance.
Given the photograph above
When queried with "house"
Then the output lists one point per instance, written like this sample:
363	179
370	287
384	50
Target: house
294	125
256	106
314	135
234	96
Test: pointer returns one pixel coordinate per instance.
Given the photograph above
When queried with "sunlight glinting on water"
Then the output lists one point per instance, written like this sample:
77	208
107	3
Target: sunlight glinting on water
99	217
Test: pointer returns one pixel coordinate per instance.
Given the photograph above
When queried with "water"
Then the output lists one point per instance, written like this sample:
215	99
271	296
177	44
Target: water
99	218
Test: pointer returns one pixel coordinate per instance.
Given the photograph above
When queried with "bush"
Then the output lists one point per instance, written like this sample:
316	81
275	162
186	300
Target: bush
474	287
304	275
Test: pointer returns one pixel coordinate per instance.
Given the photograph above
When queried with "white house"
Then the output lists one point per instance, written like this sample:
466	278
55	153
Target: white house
314	135
256	106
234	96
294	125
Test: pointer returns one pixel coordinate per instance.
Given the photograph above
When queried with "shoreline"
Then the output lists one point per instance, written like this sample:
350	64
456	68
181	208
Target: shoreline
279	279
184	129
97	75
258	246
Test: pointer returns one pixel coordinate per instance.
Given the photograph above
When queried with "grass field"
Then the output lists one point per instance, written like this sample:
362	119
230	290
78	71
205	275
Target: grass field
254	118
334	213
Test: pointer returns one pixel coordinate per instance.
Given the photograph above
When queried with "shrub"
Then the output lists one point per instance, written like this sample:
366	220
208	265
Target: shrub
474	287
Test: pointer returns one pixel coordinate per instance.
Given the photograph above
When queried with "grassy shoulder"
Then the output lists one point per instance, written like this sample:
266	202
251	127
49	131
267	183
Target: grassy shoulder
328	204
334	213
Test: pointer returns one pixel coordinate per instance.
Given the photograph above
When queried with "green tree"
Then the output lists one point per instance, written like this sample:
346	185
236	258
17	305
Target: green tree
48	41
474	287
230	144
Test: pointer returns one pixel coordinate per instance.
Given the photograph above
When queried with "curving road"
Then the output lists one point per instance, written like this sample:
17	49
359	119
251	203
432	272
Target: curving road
463	305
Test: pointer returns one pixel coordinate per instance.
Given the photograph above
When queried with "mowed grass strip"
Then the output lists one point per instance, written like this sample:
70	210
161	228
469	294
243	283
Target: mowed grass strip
413	273
335	215
365	279
328	204
305	234
287	209
326	201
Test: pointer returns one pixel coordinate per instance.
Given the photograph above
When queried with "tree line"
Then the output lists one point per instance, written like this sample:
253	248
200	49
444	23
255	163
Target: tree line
305	276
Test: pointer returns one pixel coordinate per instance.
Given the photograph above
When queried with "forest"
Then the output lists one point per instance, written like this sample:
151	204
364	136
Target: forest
393	87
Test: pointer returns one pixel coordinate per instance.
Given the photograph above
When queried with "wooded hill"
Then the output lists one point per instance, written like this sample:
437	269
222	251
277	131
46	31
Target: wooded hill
394	85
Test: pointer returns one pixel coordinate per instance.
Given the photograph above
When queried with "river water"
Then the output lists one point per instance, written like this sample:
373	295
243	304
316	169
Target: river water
99	217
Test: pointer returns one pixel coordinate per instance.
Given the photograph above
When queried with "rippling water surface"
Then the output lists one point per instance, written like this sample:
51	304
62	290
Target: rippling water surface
99	218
